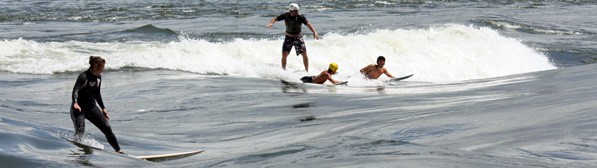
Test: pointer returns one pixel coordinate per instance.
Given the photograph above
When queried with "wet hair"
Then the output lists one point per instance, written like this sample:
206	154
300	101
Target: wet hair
381	58
95	61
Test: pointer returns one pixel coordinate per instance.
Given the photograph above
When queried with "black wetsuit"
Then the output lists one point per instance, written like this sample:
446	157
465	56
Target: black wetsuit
86	93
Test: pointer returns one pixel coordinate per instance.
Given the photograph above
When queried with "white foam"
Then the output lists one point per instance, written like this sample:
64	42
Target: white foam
437	54
92	142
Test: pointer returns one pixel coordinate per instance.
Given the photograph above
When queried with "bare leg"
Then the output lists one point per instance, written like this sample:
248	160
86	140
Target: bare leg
284	56
305	61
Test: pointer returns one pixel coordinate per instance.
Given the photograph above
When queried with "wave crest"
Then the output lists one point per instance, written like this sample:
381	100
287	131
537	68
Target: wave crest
443	53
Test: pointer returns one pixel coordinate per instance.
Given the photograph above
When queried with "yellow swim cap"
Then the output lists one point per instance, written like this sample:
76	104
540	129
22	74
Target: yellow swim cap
334	67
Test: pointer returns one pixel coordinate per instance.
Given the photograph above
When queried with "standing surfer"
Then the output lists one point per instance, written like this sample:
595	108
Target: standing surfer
294	37
86	97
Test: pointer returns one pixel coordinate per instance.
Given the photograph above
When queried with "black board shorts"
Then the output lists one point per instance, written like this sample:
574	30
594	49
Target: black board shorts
297	42
307	79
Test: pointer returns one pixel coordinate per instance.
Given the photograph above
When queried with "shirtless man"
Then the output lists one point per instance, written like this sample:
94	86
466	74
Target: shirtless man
323	76
373	71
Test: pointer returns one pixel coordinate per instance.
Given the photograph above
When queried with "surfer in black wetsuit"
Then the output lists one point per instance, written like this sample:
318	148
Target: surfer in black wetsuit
86	97
294	37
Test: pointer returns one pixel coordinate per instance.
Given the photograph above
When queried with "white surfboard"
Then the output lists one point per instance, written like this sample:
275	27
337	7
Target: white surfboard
171	156
154	158
400	78
340	83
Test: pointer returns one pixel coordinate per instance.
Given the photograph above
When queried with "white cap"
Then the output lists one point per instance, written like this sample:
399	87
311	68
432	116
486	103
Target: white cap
294	6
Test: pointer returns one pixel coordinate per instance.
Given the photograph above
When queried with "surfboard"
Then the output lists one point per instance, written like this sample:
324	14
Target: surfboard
340	83
154	158
294	84
400	78
171	156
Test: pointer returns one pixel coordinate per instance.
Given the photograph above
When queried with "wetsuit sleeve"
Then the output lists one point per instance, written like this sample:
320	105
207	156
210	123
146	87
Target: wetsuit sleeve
98	96
281	17
304	19
78	85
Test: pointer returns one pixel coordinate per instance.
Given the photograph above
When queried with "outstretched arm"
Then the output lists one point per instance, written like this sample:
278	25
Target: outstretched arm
332	80
271	23
315	35
387	73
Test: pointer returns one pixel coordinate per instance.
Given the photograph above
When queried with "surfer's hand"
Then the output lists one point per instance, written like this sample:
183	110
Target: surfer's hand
77	107
316	36
106	114
269	26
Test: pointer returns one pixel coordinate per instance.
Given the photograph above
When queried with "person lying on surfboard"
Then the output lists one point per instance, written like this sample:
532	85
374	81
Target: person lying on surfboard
373	71
323	76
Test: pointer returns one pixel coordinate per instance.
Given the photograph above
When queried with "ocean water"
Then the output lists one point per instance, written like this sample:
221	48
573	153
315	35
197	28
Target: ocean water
497	83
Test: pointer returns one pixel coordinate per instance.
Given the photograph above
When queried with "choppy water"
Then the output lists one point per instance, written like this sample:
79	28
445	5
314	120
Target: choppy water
497	83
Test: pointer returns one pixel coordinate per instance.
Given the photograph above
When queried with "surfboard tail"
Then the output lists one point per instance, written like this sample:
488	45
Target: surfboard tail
171	156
